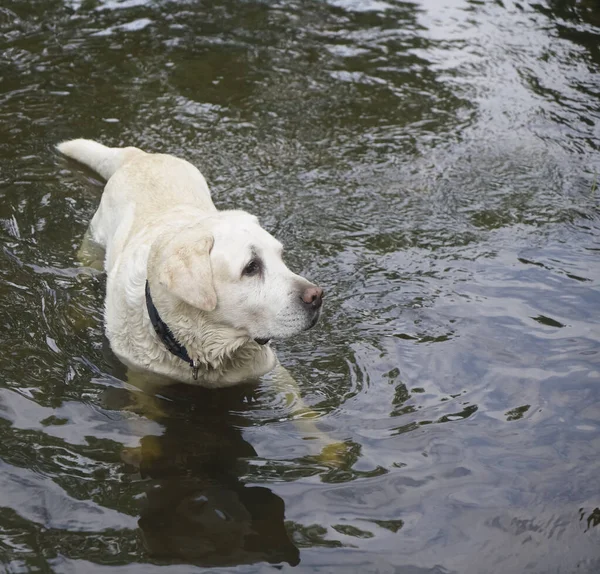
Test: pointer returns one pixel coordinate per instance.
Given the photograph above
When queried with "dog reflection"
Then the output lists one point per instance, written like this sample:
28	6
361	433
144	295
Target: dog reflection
197	508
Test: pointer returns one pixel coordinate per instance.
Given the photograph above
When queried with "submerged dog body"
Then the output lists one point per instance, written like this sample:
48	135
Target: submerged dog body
216	278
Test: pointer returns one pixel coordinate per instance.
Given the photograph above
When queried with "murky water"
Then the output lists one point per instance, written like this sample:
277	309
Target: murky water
432	164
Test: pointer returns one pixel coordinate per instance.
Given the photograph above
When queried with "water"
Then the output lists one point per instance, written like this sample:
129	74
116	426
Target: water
433	165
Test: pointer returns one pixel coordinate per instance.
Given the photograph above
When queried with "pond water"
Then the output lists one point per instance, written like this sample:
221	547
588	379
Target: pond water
433	165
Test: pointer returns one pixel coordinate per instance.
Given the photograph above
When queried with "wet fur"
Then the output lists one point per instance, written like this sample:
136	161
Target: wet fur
129	236
157	222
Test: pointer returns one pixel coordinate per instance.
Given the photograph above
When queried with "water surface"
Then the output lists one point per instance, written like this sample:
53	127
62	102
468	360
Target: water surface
433	165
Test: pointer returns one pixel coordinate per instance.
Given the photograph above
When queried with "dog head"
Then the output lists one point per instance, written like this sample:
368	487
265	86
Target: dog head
228	266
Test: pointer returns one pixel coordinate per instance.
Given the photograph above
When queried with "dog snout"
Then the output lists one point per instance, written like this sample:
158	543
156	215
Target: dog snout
312	297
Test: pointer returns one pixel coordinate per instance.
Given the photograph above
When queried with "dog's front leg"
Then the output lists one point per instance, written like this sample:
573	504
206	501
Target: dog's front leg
331	452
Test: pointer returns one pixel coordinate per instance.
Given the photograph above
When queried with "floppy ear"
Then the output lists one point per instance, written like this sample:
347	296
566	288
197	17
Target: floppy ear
188	275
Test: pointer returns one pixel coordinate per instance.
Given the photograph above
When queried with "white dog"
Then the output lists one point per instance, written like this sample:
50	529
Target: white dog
193	294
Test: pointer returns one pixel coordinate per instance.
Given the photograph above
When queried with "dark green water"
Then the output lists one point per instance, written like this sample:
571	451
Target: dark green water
432	164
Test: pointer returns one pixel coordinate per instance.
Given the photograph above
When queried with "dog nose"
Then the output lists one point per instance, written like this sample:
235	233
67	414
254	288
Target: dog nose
313	297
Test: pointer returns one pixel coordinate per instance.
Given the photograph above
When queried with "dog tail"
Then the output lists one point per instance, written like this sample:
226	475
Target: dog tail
102	159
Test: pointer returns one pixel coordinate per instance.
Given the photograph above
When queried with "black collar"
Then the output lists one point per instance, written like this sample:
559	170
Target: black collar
166	335
169	341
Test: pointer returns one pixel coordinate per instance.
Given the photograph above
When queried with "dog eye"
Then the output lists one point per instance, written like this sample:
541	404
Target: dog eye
252	268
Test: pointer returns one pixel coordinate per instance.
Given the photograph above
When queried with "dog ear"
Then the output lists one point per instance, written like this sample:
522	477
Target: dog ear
187	274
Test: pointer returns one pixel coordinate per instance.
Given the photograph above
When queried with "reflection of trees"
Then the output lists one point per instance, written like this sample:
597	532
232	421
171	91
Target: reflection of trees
310	536
517	413
567	14
592	519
